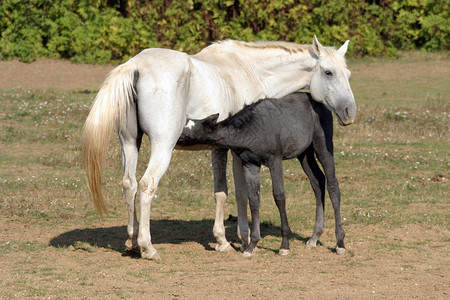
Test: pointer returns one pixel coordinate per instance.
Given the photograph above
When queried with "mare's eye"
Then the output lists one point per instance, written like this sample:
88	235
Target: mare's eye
328	73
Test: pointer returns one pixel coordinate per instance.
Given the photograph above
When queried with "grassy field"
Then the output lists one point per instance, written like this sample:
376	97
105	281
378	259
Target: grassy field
392	164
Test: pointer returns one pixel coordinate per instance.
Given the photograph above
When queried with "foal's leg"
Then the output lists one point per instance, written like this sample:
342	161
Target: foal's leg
219	164
276	173
327	161
241	191
252	177
130	138
317	181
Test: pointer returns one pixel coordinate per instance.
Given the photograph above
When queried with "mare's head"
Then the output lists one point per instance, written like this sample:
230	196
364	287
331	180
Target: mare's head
330	82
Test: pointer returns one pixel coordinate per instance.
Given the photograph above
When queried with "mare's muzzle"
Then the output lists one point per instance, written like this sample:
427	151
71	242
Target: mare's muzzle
346	114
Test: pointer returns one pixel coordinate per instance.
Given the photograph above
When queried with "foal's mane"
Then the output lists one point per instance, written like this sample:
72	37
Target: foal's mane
242	117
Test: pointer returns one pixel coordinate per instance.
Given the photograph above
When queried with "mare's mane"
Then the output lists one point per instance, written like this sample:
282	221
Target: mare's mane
265	45
288	47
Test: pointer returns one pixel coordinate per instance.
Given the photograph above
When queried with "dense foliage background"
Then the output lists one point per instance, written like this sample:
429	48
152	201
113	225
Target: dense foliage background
100	31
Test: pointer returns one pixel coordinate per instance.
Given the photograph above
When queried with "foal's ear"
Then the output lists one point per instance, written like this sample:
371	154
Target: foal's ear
317	47
211	121
343	48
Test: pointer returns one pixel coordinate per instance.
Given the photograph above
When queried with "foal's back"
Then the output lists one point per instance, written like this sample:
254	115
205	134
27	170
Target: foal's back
285	127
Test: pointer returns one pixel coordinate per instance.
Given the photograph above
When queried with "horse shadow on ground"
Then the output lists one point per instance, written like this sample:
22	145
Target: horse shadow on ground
163	231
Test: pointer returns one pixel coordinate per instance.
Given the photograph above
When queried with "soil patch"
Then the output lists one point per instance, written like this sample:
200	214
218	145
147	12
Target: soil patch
51	73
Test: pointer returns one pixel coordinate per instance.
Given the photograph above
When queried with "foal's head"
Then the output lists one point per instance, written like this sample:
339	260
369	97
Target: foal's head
329	82
199	132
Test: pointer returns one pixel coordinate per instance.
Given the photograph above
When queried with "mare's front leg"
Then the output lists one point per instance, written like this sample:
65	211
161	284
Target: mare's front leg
241	191
219	164
317	181
252	178
276	173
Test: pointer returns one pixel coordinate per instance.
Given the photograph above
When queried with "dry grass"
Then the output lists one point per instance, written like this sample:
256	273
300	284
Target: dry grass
393	167
398	144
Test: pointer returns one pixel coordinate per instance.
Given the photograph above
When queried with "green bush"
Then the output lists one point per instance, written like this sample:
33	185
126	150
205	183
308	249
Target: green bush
100	31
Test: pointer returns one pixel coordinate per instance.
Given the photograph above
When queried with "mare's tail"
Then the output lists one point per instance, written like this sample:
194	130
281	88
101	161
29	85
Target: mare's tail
108	109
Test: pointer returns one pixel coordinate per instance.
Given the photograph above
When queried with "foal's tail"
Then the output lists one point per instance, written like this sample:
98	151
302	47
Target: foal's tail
109	108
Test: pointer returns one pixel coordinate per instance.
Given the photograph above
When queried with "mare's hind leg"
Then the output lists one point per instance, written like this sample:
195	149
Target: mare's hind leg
317	181
241	191
276	173
161	153
162	119
219	164
130	138
130	151
252	177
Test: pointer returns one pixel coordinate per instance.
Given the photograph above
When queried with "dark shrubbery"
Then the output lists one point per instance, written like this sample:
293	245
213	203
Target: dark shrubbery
100	31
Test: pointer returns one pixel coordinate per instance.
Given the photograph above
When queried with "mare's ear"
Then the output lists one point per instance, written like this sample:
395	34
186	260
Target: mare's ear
317	47
211	121
343	48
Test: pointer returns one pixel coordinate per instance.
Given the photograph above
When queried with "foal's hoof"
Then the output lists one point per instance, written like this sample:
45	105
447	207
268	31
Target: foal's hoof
150	254
224	248
247	254
244	246
340	251
310	245
284	252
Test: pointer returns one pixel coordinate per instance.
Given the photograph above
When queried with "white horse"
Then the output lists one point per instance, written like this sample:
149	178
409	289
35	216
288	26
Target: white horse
158	89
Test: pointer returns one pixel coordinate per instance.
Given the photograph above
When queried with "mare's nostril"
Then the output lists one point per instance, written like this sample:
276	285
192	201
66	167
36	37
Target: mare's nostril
346	114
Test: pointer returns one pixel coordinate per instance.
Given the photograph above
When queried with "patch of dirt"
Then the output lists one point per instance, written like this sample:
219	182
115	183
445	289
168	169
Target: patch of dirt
72	259
51	73
382	262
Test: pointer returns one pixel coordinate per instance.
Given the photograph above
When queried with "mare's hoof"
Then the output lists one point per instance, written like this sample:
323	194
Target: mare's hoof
150	254
340	251
224	248
284	252
131	247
